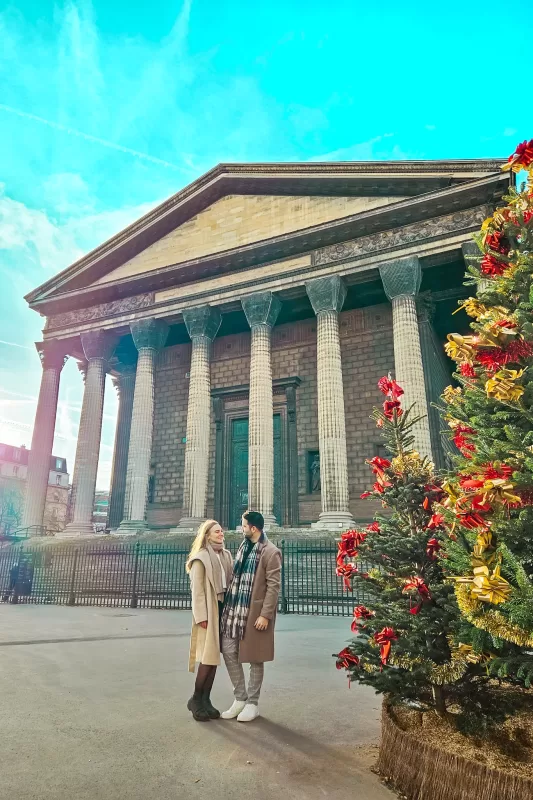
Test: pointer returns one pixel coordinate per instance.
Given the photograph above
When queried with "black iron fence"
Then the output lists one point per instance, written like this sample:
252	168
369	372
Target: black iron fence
152	575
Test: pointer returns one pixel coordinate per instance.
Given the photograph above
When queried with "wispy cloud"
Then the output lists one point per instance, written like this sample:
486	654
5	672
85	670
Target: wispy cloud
16	344
96	139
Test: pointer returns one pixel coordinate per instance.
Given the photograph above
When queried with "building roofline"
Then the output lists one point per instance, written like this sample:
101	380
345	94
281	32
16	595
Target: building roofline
456	198
351	177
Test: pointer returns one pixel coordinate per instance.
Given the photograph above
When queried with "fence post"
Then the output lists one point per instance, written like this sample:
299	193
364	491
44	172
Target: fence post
284	602
71	593
134	599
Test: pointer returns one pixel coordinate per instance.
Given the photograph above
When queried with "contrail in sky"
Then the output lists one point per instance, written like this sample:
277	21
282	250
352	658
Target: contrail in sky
14	344
74	132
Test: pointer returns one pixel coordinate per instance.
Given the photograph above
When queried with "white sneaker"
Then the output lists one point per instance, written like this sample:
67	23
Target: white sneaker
249	713
235	710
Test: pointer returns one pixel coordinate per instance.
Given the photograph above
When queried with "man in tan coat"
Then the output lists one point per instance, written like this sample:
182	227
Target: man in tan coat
249	616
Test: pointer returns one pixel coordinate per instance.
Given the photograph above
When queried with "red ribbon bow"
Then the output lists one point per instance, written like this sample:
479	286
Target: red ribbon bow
420	586
346	572
385	638
360	612
389	387
435	522
432	548
346	659
373	527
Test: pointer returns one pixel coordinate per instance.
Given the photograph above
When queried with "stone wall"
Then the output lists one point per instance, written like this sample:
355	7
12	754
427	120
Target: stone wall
367	353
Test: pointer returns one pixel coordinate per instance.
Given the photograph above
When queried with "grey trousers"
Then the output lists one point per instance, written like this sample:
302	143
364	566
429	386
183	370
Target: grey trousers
230	652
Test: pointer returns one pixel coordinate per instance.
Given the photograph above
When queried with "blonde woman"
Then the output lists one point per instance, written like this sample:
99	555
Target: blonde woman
210	567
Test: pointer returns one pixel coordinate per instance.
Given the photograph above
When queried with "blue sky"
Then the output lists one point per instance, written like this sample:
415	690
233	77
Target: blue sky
108	108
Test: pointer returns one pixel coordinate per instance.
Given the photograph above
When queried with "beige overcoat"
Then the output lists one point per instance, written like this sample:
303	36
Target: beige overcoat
258	646
205	642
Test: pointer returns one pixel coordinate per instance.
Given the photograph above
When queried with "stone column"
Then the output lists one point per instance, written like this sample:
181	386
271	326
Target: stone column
202	325
98	347
124	383
401	280
261	311
327	297
53	358
149	336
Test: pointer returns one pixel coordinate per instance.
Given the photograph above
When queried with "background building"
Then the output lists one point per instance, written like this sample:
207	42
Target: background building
245	323
13	483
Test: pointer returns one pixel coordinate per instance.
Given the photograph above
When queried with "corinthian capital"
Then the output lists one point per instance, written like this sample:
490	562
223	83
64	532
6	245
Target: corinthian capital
52	353
202	321
149	333
98	344
326	294
401	277
261	308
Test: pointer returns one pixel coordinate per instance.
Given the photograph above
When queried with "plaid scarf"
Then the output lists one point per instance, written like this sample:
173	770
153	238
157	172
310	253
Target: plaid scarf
239	594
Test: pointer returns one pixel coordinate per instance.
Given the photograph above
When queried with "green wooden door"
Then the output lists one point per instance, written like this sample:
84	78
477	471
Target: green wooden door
238	494
238	471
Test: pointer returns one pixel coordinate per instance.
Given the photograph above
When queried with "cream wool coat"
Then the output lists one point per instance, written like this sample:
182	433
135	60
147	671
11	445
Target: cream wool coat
205	642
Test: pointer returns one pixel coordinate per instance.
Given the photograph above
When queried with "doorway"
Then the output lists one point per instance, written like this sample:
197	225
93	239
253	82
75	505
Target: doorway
238	470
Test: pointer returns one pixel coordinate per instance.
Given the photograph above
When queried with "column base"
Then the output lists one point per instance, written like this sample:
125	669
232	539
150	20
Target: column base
334	521
187	525
270	521
76	530
131	527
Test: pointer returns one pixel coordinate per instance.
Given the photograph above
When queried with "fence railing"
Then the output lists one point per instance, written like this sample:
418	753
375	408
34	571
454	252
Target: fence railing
153	575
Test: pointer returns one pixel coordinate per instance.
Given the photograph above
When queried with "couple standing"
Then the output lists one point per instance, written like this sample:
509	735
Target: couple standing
234	611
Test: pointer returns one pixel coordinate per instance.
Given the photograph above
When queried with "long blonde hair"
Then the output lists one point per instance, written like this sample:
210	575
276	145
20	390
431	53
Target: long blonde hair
200	541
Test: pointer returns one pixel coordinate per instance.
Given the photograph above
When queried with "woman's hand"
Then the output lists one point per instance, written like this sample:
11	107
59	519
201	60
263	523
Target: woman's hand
203	624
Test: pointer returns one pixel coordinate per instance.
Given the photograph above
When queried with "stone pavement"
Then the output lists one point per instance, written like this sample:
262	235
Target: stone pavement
93	708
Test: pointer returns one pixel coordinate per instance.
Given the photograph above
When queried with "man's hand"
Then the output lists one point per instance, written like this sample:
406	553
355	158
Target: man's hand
261	623
203	624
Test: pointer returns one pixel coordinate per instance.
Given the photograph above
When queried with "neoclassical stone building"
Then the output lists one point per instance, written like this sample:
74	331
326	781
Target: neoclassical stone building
245	323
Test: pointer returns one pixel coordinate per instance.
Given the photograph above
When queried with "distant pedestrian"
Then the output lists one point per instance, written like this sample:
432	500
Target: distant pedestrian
209	566
249	616
13	579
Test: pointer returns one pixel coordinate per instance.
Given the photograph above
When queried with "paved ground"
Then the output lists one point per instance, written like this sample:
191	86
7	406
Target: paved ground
93	708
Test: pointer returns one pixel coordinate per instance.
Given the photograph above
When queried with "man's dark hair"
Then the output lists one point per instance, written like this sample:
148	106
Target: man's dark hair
255	519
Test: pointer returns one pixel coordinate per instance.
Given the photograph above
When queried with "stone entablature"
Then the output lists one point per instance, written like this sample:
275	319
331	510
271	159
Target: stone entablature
347	258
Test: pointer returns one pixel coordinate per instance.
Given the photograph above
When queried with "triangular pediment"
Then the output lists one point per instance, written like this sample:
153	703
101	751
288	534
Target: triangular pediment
238	220
267	208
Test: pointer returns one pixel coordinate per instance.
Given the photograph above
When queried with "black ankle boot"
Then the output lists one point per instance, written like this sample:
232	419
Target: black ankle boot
197	709
209	707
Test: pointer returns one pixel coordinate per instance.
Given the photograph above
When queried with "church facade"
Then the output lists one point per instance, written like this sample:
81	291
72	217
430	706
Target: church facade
245	323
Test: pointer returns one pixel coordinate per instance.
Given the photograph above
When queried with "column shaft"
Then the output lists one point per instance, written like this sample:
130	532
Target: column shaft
42	441
140	448
261	311
88	449
261	426
401	281
327	297
148	335
331	420
409	369
125	384
198	430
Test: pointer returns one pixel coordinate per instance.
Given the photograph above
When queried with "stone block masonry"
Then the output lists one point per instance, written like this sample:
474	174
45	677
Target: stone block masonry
367	353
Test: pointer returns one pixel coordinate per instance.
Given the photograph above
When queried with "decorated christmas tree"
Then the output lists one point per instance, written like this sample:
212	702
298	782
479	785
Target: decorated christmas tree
406	645
488	505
